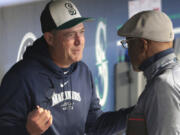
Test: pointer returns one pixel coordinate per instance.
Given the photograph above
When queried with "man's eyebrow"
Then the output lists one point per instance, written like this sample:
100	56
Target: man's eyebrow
82	29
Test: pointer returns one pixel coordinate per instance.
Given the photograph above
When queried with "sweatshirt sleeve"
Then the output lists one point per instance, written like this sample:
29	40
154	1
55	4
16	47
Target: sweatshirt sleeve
111	122
105	123
94	111
13	105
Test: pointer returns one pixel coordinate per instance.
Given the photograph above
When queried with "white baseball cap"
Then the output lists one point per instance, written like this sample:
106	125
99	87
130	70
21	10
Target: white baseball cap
60	14
151	24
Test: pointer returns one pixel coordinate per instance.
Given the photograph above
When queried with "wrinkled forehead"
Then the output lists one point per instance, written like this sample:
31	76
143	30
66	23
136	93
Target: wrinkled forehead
75	28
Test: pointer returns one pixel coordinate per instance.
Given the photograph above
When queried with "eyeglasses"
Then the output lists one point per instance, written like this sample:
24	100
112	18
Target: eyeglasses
124	43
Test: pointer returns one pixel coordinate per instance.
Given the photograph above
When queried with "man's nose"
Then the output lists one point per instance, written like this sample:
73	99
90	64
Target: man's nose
77	39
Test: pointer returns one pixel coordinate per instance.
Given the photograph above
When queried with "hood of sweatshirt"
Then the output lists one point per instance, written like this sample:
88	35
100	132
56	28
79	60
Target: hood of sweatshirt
39	51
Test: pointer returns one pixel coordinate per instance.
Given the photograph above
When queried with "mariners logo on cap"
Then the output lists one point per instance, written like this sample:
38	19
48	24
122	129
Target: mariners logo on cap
70	8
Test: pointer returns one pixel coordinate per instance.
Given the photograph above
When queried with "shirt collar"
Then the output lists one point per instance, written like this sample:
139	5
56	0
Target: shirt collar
154	58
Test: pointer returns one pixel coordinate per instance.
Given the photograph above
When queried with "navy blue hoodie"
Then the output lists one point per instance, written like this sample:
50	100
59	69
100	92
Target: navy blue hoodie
68	93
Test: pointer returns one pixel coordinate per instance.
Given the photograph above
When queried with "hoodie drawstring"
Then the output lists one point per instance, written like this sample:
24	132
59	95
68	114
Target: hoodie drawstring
71	91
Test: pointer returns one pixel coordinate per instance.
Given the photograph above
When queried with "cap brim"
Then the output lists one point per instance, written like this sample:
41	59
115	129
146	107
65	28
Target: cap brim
73	22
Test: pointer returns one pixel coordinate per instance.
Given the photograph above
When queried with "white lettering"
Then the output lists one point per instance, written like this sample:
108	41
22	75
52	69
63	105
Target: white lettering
59	97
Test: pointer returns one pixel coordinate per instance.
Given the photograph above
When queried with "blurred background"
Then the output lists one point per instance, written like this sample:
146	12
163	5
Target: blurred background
117	85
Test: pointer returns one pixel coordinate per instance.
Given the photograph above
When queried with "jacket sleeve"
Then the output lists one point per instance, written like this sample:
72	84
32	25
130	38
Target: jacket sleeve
13	105
105	123
94	110
162	110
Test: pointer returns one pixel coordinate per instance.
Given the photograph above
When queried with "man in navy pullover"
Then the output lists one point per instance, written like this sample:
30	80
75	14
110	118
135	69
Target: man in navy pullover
50	91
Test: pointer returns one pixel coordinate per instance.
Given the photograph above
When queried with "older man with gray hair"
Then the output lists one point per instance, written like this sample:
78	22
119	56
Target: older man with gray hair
149	39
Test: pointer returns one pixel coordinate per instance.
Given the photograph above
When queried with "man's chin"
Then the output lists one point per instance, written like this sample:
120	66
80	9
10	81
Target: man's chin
77	59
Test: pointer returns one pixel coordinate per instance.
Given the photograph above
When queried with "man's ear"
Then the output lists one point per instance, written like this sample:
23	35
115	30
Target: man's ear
145	45
49	37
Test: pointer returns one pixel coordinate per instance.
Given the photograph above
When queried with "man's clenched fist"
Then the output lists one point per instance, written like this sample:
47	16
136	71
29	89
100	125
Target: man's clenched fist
38	121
